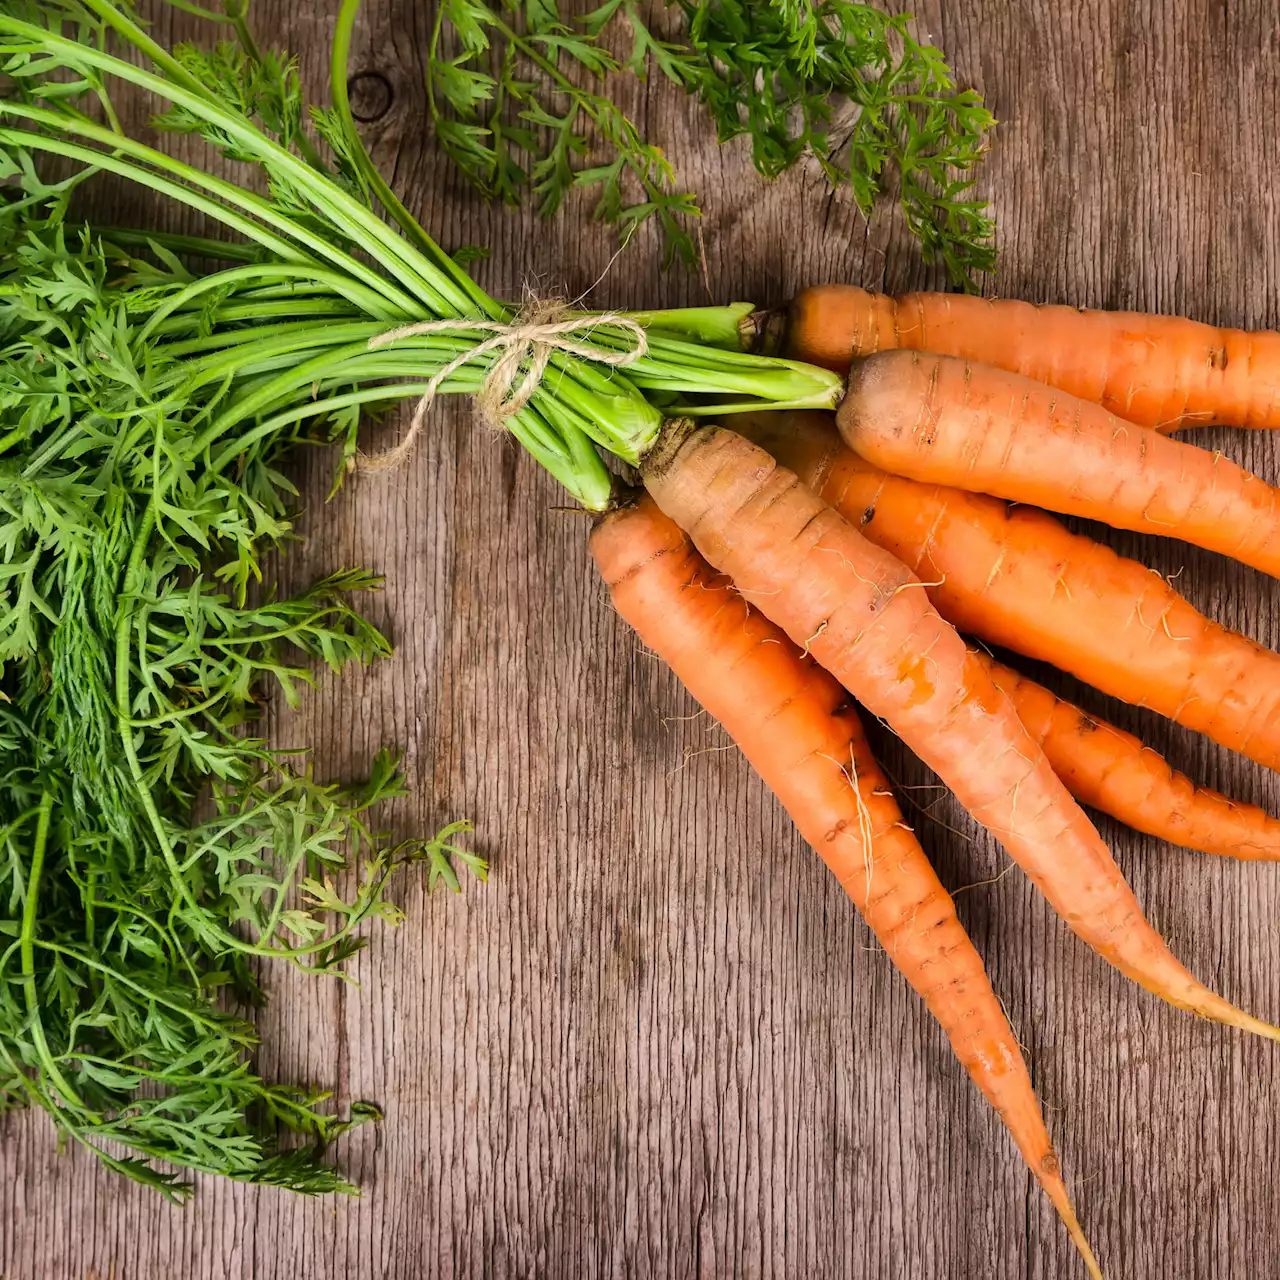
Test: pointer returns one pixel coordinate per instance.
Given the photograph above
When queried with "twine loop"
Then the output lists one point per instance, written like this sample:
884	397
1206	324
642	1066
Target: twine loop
527	345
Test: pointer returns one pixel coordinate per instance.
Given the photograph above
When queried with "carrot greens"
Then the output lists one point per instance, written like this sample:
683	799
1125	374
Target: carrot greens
837	82
153	850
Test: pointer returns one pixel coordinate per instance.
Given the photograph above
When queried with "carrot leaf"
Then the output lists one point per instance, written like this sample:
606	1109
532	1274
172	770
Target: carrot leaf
835	84
154	852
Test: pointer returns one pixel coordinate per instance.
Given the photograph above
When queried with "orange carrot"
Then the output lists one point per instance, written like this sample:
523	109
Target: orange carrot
1111	770
799	729
948	421
864	616
1161	371
1016	578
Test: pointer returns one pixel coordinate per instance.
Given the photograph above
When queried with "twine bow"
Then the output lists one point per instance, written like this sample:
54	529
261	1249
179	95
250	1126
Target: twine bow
527	345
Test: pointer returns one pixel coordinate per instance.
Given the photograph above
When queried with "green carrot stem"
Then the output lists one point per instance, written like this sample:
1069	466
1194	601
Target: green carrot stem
339	58
26	957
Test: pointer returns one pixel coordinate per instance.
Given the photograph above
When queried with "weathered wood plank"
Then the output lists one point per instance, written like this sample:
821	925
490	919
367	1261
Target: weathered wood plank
659	1042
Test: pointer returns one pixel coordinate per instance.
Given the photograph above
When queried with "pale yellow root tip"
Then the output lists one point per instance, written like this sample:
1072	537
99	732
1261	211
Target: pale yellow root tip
1259	1028
1057	1193
1208	1004
1086	1251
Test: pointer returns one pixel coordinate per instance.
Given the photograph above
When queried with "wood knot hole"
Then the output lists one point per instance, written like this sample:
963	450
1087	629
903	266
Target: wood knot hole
371	96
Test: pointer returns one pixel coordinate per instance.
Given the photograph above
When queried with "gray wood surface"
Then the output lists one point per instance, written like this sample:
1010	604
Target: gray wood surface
659	1042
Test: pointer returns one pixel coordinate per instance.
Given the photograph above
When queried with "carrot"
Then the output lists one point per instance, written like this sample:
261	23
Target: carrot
864	616
1017	578
1114	772
800	731
1161	371
948	421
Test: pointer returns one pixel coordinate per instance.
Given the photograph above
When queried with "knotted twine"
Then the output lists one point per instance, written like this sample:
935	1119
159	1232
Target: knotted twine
527	344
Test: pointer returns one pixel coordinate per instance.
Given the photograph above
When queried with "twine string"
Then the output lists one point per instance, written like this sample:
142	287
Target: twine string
527	345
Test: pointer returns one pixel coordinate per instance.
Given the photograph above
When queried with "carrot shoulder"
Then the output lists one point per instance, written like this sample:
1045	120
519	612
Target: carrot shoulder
1114	772
1161	371
866	618
943	420
1017	578
799	729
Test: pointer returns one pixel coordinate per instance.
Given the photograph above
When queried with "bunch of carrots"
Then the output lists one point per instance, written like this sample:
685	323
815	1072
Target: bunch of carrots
786	570
794	564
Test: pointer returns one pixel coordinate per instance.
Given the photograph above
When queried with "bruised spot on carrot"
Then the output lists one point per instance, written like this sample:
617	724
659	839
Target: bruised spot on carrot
912	671
835	831
984	695
1218	357
1086	723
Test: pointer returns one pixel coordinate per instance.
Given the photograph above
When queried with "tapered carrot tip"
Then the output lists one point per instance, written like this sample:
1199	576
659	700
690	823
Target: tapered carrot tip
1246	1022
1049	1175
1195	997
1082	1245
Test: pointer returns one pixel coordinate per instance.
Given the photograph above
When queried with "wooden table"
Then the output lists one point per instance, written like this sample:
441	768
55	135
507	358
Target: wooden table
660	1042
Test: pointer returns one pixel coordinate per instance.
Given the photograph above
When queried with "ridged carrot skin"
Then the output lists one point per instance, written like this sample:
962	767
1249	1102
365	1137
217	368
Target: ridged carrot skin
1113	771
800	731
1161	371
867	620
943	420
1017	578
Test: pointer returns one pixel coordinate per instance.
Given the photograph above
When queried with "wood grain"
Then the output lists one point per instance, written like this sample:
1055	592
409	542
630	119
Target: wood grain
659	1042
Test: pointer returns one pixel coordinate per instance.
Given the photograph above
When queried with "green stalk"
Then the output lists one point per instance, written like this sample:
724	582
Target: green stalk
353	219
304	312
225	339
155	53
369	301
280	346
192	246
339	60
563	449
237	11
27	956
710	326
226	190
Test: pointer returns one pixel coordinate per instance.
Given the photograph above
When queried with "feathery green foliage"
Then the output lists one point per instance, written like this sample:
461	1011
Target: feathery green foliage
835	80
152	849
